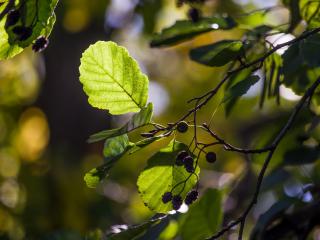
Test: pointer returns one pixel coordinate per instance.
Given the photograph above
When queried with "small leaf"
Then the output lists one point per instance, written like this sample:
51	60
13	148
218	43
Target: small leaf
204	217
112	79
115	147
125	232
94	176
310	12
161	175
240	88
217	54
137	120
186	29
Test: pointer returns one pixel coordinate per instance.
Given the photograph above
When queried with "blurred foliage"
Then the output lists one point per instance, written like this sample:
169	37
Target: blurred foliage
42	192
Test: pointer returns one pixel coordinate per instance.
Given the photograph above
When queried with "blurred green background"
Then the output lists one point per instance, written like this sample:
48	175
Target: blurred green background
45	119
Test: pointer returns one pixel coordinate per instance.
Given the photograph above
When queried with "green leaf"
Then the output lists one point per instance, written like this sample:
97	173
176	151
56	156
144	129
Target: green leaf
125	232
137	120
186	29
112	79
115	147
41	19
144	143
298	75
204	217
161	174
310	12
217	54
310	50
94	176
240	88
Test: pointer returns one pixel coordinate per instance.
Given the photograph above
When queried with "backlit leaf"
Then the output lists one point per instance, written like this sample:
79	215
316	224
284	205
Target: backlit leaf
112	79
161	174
217	54
186	29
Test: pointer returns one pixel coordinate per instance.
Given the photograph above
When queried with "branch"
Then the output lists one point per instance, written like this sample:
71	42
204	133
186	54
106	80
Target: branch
241	220
229	147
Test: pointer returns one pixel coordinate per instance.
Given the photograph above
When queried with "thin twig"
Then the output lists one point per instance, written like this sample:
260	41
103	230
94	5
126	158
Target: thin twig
242	219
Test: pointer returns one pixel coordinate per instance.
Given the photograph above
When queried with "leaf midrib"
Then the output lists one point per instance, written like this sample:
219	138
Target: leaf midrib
103	69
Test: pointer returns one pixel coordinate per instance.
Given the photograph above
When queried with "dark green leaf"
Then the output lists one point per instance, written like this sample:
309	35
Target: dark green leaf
139	119
204	217
301	155
186	29
125	232
161	175
310	50
294	71
266	219
114	149
240	88
217	54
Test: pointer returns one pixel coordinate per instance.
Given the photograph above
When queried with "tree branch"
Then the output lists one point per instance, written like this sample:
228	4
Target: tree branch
241	220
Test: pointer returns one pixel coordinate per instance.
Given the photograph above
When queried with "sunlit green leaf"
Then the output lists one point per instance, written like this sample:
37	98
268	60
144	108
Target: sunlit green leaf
137	120
217	54
204	217
240	88
40	19
310	12
161	174
94	176
115	147
186	29
112	79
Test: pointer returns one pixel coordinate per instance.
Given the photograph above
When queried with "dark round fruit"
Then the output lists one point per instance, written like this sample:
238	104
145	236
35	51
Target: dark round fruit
12	18
181	155
188	160
166	197
191	197
189	168
211	157
188	164
176	202
182	127
194	14
40	44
